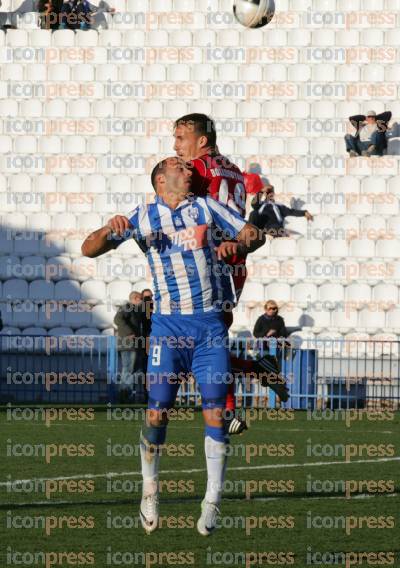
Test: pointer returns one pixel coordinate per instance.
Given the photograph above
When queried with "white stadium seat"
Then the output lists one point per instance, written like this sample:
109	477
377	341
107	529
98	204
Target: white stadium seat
283	247
280	292
41	290
15	289
67	290
362	248
304	293
103	316
358	293
371	320
388	248
93	291
386	294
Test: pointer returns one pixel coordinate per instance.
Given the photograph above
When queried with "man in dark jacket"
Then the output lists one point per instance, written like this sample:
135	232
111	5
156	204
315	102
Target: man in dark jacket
131	344
370	136
270	216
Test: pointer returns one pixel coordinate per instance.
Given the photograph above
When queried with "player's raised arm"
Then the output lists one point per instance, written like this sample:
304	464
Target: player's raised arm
102	241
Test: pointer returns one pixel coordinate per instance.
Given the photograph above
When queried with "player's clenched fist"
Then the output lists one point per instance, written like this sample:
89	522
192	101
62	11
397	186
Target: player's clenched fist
228	249
119	224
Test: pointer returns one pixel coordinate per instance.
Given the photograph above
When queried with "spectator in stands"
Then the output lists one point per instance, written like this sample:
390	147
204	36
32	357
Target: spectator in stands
131	344
370	136
270	216
49	11
68	15
270	324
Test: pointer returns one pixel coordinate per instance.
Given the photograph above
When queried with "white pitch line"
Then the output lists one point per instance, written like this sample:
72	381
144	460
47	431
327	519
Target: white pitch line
241	499
198	470
171	425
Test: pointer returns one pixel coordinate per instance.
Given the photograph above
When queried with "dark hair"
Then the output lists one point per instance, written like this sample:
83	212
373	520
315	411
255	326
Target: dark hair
203	126
158	169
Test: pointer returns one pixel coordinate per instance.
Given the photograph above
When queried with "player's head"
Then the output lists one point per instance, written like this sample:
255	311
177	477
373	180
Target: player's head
371	117
171	176
194	135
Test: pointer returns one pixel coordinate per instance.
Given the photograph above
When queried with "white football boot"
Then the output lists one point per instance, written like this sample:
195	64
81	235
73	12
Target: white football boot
208	519
149	512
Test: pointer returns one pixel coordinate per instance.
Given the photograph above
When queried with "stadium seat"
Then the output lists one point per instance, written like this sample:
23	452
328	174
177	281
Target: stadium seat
253	293
67	290
118	291
40	38
344	319
309	247
291	315
318	319
336	248
358	293
304	293
63	38
297	146
15	289
41	290
280	292
387	248
371	320
386	294
103	316
283	247
33	267
34	331
393	320
362	248
93	291
58	268
390	206
59	331
331	294
77	316
24	314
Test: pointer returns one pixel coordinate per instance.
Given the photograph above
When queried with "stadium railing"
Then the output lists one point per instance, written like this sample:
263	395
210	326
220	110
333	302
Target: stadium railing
321	373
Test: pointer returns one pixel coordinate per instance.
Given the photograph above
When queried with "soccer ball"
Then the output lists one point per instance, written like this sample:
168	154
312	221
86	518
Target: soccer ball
254	13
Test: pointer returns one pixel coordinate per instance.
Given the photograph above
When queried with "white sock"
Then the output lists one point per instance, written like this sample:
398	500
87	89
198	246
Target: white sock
150	466
216	464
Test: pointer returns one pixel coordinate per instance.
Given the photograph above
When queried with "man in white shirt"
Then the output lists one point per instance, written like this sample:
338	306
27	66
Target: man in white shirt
370	139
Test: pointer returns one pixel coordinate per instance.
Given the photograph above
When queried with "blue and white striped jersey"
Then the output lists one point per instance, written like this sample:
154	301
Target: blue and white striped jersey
180	247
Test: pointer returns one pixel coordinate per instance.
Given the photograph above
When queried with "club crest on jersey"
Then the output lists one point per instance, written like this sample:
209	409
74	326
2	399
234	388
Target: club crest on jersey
193	213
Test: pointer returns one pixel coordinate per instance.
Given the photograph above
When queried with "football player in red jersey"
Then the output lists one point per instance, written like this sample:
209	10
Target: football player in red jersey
214	174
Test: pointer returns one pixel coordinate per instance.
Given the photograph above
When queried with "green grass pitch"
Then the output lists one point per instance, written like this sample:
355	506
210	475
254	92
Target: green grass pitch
301	490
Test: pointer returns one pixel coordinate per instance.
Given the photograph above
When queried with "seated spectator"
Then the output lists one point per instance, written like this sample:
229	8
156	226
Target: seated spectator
270	324
68	15
49	11
270	216
370	136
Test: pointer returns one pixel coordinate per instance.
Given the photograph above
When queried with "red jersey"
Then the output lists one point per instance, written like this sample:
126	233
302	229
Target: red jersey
215	175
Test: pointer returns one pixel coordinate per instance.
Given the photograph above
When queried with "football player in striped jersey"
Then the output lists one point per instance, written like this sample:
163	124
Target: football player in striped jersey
180	235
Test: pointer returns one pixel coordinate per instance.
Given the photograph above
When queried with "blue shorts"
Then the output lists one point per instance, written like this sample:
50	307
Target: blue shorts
183	343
